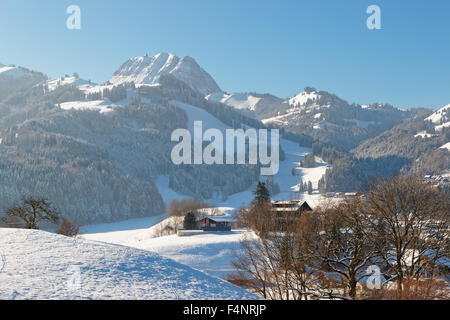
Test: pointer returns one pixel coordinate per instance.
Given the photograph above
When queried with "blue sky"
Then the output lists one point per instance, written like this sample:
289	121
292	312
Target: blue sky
275	46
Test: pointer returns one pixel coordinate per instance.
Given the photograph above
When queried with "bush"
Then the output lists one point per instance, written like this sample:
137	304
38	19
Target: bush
179	208
68	228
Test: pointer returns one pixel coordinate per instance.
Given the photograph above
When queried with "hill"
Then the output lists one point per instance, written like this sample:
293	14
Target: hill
40	265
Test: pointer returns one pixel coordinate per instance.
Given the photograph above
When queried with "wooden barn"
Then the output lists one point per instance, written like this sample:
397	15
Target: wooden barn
287	212
209	224
293	207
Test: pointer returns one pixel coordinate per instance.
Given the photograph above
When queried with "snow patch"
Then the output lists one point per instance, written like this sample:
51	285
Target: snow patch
446	146
241	101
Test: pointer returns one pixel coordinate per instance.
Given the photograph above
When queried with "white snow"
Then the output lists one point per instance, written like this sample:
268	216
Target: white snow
102	106
148	70
437	116
41	265
446	146
424	134
15	72
80	83
302	98
209	253
280	119
441	118
241	101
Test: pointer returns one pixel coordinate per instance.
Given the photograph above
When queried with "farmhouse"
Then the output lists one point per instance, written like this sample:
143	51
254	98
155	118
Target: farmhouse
215	224
210	224
287	212
293	207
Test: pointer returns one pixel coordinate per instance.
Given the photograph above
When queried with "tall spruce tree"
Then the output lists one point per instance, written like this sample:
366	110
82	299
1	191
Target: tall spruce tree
262	194
190	221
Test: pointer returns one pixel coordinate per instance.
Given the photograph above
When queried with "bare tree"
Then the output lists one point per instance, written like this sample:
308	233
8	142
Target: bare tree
179	208
410	222
264	264
32	211
344	243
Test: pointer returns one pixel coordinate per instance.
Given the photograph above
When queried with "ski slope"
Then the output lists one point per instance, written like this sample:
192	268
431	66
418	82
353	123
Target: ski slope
41	265
287	182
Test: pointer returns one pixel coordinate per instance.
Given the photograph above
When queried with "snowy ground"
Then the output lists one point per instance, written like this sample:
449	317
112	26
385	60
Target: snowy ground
41	265
209	253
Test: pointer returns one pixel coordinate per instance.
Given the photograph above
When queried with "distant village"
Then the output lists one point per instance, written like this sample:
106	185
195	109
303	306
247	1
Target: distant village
439	181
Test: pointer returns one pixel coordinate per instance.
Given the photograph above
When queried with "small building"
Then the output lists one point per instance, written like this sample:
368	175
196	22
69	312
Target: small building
295	207
288	212
216	224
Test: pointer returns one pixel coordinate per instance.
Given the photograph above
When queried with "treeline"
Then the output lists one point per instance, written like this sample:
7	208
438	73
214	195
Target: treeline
349	173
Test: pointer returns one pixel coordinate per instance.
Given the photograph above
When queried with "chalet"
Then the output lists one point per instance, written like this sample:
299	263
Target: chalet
294	207
215	224
287	212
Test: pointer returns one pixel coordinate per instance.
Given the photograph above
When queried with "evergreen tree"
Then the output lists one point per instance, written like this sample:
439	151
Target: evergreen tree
310	188
300	186
190	221
262	194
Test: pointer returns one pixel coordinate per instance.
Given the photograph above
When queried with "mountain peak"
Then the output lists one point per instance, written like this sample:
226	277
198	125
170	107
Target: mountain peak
309	94
148	70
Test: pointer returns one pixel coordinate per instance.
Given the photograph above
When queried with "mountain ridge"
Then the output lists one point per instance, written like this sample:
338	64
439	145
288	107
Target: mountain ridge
147	70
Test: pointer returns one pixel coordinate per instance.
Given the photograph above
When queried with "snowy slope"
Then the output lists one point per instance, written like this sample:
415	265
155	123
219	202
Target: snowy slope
241	101
80	83
209	253
40	265
147	70
102	106
440	118
446	146
302	98
15	72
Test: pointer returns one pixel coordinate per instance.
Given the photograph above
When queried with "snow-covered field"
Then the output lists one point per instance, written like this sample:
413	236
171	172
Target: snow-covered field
209	253
41	265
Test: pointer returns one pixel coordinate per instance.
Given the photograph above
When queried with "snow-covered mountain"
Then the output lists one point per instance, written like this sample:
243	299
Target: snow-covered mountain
41	265
440	118
325	116
258	106
303	98
112	141
148	70
13	71
82	84
240	101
